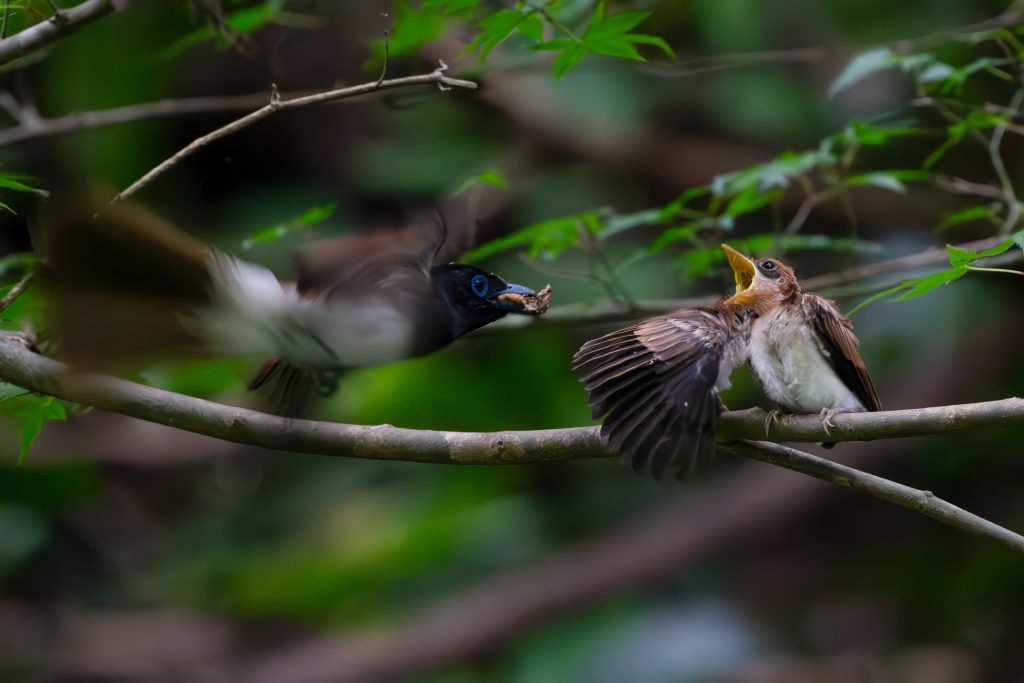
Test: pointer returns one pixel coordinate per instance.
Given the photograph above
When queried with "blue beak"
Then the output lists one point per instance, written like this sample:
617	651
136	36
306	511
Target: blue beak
510	305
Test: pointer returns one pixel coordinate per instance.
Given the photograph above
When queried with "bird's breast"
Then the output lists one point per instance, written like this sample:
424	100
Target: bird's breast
792	366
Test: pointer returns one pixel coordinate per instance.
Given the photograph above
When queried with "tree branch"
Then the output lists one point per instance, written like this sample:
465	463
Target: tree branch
21	366
45	32
437	76
924	502
44	127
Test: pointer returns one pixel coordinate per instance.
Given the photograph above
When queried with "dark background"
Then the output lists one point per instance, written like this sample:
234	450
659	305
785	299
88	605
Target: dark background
130	551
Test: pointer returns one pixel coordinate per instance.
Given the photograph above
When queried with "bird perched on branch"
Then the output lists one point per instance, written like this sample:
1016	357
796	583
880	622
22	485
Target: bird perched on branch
657	383
801	347
127	289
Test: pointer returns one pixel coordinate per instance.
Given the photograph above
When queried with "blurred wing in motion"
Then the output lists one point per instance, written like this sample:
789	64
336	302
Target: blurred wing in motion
656	385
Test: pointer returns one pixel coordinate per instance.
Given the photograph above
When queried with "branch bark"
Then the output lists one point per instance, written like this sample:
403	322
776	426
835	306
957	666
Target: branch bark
437	76
32	128
23	367
45	32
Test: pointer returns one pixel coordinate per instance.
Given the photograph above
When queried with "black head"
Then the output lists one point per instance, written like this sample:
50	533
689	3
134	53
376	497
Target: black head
474	296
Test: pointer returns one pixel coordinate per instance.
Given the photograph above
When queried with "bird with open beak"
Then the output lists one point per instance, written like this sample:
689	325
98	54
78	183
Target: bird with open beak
801	347
657	383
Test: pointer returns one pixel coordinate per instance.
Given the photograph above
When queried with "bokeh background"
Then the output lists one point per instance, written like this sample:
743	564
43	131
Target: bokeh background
130	551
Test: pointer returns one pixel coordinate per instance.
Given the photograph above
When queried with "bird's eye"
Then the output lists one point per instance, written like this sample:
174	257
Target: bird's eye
479	285
768	265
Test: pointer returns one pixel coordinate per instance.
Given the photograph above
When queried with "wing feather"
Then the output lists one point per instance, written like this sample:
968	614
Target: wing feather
835	332
654	384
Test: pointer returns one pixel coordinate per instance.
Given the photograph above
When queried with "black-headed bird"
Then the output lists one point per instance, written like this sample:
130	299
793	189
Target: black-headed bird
801	347
128	288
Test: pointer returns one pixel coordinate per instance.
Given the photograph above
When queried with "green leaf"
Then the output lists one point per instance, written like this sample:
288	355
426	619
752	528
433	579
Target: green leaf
17	261
546	239
973	213
776	173
869	135
671	209
862	66
494	29
12	183
272	233
450	6
617	24
567	59
886	181
656	41
751	200
30	411
686	232
916	287
533	28
489	177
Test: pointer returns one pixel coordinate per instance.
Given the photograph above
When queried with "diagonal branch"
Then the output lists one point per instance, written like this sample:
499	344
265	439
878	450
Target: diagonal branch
45	32
924	502
437	76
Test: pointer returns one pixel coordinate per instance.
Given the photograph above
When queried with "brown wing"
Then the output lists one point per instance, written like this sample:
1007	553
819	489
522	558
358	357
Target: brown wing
835	331
373	260
654	383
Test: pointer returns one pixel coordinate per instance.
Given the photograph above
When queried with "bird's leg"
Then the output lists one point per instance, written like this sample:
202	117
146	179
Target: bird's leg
772	418
826	419
722	408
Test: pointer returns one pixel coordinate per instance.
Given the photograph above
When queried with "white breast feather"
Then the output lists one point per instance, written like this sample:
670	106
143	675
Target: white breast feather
793	369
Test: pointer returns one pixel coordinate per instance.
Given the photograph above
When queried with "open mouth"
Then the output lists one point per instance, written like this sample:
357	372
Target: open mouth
743	268
518	299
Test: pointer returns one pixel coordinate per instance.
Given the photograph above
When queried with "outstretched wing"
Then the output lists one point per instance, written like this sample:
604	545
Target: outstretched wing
654	383
835	332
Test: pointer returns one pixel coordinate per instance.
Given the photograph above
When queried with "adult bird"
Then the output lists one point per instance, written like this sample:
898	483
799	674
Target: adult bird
127	288
657	383
801	347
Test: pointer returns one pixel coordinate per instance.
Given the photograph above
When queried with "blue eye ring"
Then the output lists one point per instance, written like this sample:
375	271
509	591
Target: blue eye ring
479	285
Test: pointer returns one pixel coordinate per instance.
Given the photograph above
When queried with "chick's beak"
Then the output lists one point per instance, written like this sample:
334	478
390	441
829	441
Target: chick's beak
743	268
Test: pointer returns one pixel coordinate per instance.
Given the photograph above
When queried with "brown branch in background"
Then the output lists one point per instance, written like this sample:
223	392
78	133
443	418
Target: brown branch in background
37	127
59	25
437	76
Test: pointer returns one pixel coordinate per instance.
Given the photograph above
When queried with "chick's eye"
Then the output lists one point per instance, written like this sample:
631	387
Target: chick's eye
768	265
479	285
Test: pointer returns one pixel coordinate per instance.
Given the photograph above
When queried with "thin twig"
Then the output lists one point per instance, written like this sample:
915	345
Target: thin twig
46	127
63	22
437	76
924	502
19	287
1013	205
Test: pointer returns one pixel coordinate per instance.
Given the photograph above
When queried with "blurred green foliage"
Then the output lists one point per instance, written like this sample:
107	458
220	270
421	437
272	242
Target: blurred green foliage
748	148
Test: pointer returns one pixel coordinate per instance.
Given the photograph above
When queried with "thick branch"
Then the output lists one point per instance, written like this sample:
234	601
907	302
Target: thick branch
45	32
437	76
20	366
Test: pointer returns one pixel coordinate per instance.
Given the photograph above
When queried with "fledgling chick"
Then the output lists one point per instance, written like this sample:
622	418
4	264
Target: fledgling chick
802	348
